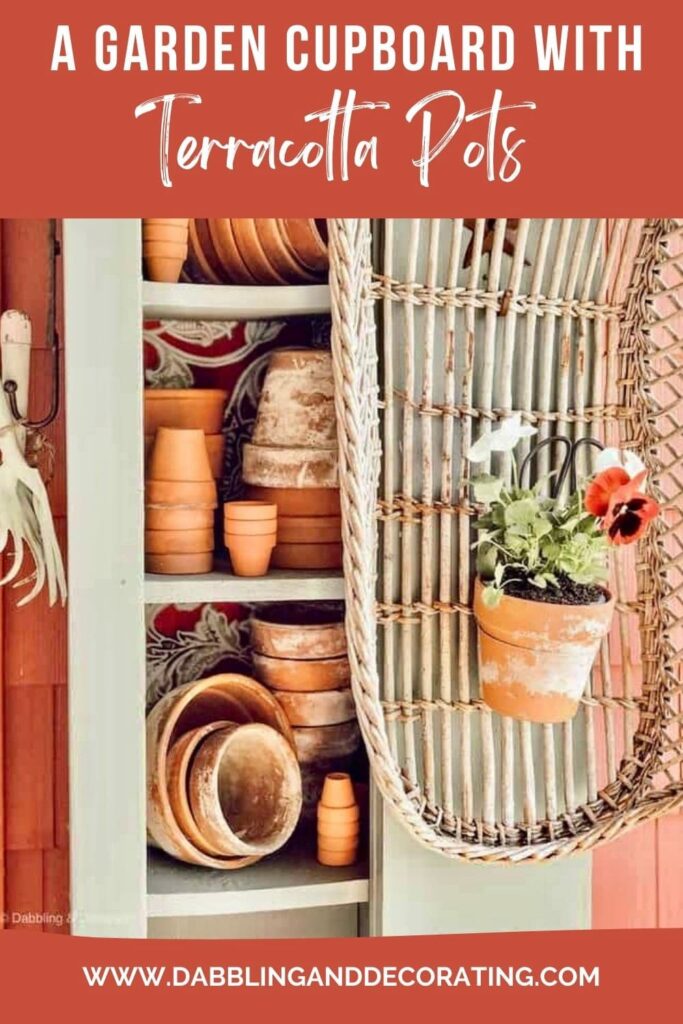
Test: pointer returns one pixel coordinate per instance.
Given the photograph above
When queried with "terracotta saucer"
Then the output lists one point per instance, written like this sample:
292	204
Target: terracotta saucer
198	265
280	253
308	239
234	267
252	252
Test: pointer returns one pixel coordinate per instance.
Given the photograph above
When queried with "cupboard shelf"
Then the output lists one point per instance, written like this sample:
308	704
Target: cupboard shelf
222	585
232	302
291	879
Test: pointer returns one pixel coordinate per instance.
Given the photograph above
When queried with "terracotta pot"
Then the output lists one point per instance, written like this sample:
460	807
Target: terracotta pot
308	556
178	519
339	859
300	501
180	564
290	630
233	266
308	239
338	790
326	707
168	250
164	269
200	266
173	493
177	777
339	844
250	556
535	658
249	511
348	830
296	407
179	455
290	467
303	676
215	447
252	252
185	408
326	742
175	222
178	542
244	528
245	790
228	697
165	233
339	815
280	254
309	529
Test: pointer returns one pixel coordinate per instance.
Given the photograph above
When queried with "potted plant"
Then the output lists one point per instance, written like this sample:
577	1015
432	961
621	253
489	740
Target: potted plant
541	600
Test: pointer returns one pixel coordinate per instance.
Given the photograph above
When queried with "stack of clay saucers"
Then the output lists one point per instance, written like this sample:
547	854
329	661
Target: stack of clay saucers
188	408
249	531
180	496
258	251
300	654
293	459
164	247
206	804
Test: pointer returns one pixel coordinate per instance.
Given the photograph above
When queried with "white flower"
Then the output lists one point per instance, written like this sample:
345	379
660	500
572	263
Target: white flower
502	440
610	457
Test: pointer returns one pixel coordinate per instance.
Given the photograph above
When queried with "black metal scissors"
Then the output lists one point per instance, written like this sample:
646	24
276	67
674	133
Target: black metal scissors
569	462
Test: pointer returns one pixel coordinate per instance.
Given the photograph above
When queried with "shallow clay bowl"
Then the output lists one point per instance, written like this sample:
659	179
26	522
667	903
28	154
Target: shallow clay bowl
326	707
179	564
185	408
268	466
229	697
308	239
309	529
308	556
233	267
177	769
199	266
249	511
280	253
303	676
252	252
297	631
179	542
326	742
177	493
300	501
245	790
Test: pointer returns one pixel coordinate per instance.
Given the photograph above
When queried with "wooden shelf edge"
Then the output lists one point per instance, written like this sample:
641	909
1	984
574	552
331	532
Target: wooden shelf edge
222	585
232	302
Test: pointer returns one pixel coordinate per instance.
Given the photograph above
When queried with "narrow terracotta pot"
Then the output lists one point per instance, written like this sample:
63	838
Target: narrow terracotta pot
296	407
327	707
196	564
270	466
179	455
300	501
169	250
249	511
534	657
243	528
176	494
338	790
326	742
303	676
185	408
309	530
178	519
250	556
299	631
308	556
178	542
245	790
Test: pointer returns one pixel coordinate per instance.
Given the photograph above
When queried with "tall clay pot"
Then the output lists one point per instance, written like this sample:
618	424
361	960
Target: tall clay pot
535	657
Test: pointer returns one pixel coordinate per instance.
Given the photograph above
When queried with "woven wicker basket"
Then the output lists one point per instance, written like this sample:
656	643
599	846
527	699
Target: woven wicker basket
579	326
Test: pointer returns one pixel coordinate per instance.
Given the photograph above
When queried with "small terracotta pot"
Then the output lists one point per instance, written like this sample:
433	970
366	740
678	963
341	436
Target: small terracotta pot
297	631
290	467
179	455
309	530
327	707
179	564
164	269
164	233
343	844
338	815
338	790
534	657
300	501
326	742
296	407
178	542
249	511
337	859
303	676
308	556
174	494
250	556
348	830
175	222
178	519
308	239
245	790
167	250
243	528
185	408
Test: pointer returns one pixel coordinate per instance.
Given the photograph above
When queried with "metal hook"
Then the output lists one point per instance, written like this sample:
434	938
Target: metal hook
10	386
568	463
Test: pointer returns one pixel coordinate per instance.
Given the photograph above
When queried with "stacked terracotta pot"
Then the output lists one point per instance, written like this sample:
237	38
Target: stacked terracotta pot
338	821
206	804
164	247
250	529
193	408
250	251
293	459
300	654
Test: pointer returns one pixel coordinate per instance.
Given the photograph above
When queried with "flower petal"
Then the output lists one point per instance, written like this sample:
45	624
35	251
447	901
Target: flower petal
608	458
481	449
601	489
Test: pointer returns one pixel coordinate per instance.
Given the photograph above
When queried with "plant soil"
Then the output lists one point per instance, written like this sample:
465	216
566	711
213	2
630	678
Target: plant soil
567	592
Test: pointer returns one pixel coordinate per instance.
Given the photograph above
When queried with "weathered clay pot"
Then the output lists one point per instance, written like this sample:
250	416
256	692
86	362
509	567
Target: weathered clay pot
326	707
326	741
177	494
338	790
296	408
250	556
308	556
290	468
178	519
303	676
308	239
194	564
309	529
178	542
185	408
280	254
300	501
535	658
228	697
179	455
249	511
245	790
299	630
